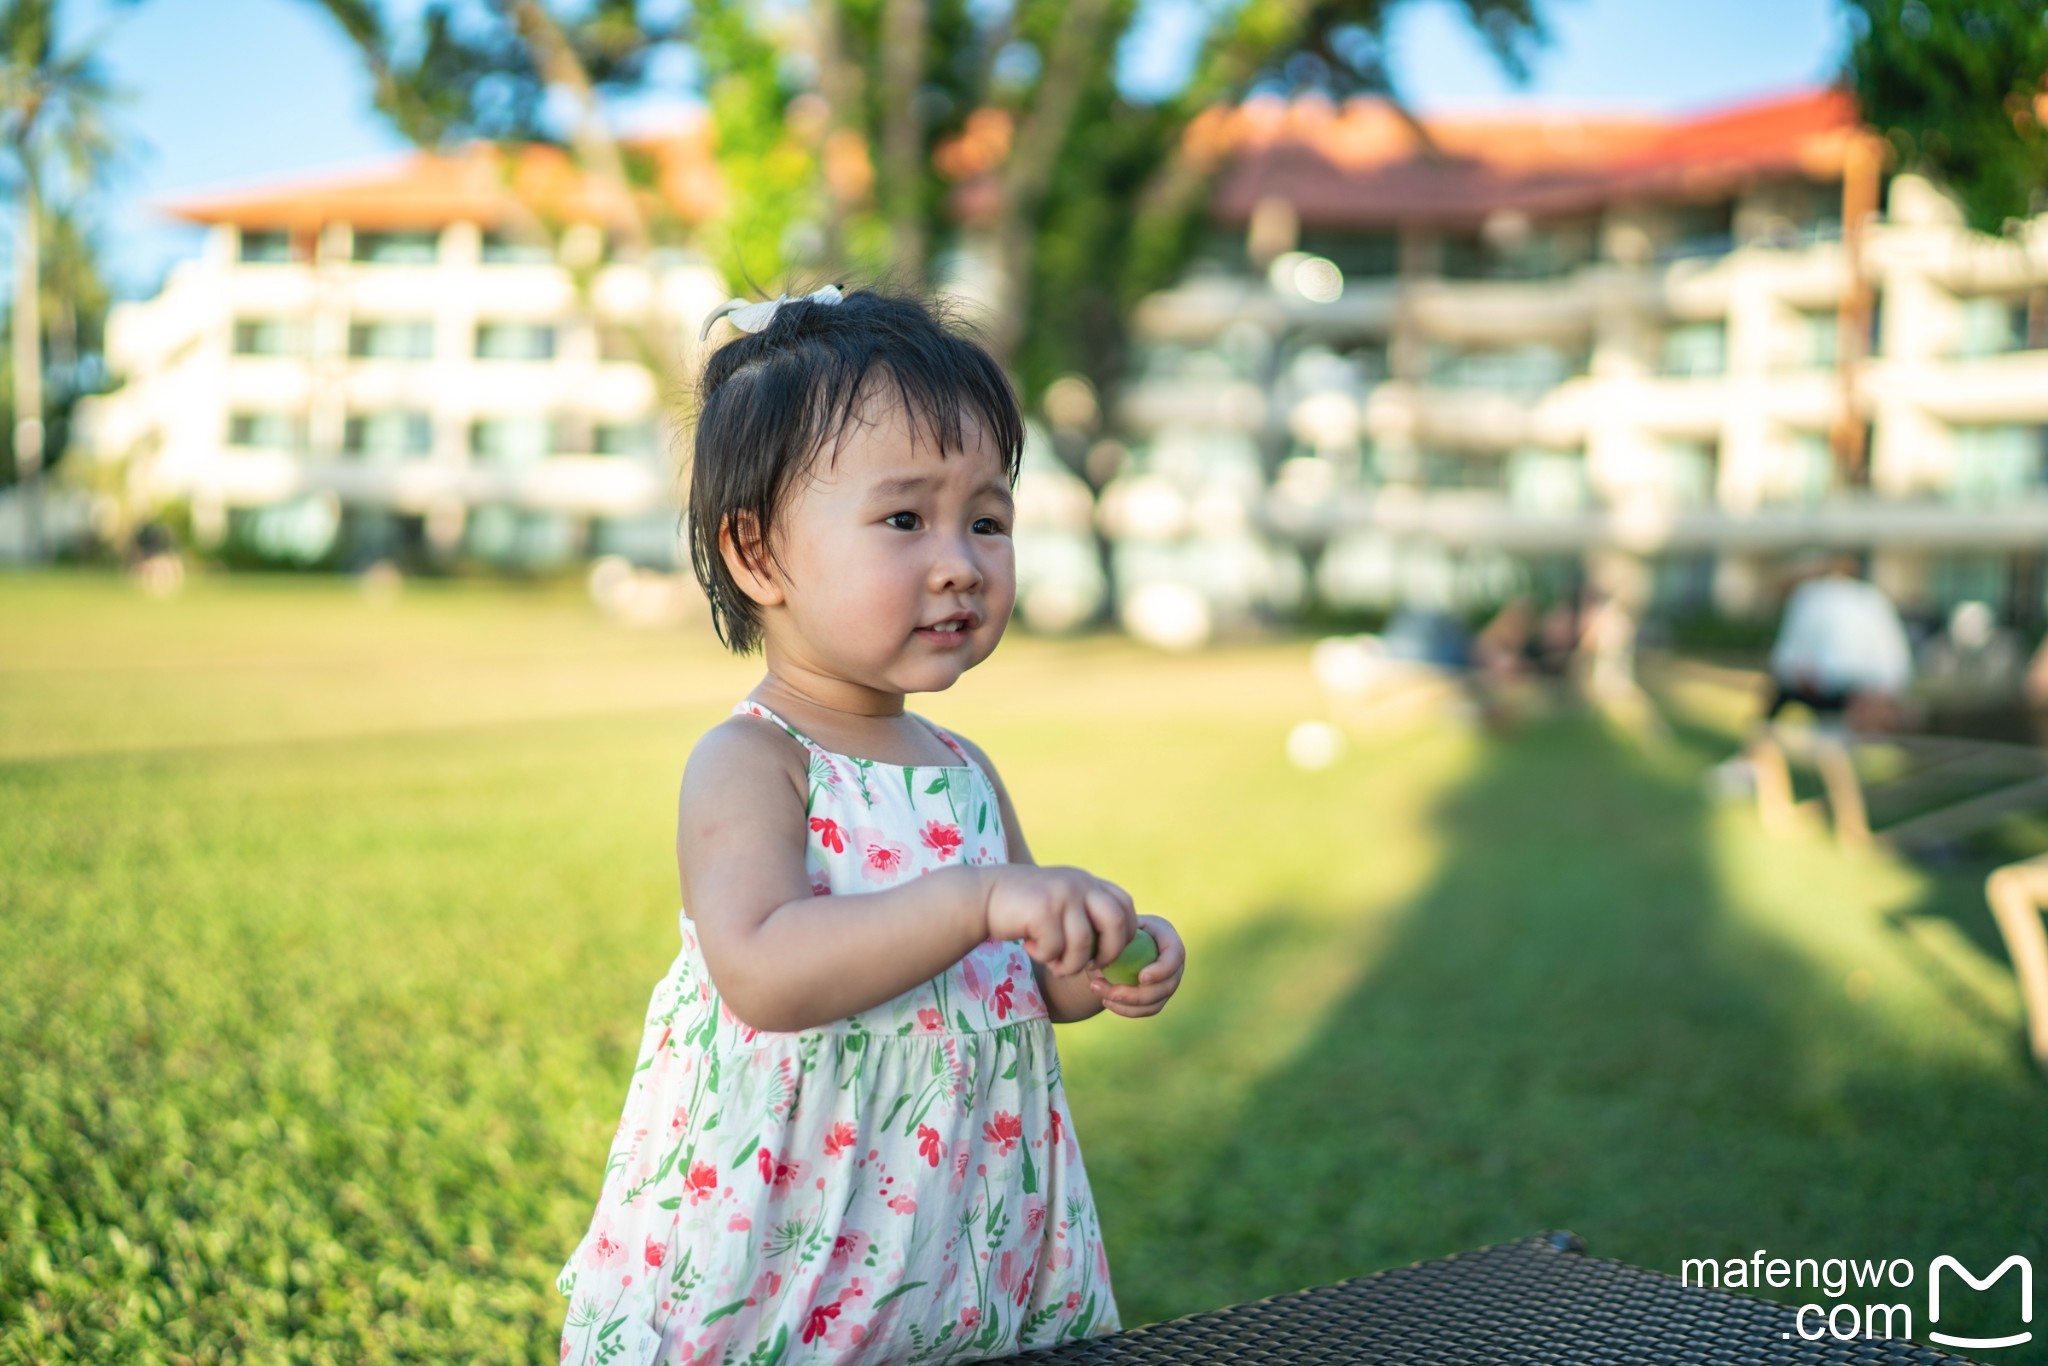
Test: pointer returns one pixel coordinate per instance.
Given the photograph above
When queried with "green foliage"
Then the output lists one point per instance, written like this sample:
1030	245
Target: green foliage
326	927
1113	216
1954	85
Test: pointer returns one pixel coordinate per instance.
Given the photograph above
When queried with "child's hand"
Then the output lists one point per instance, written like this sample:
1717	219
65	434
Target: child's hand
1069	920
1158	981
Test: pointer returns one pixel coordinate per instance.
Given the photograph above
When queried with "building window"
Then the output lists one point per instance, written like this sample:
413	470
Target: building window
269	337
1808	342
1996	324
625	438
1687	472
1517	250
1526	370
263	247
1700	230
392	339
1547	482
1995	462
268	431
512	442
1694	350
1360	255
513	249
515	341
399	434
1805	473
398	248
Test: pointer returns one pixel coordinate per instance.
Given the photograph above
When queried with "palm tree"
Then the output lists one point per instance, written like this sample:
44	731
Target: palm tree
53	126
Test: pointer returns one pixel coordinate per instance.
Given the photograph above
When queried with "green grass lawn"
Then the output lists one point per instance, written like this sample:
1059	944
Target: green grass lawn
327	926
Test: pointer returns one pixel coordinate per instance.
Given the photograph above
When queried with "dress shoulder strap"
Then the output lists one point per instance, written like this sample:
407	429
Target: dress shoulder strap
749	707
948	741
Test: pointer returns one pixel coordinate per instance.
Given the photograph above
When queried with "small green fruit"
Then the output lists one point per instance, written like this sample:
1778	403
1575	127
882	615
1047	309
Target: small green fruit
1140	952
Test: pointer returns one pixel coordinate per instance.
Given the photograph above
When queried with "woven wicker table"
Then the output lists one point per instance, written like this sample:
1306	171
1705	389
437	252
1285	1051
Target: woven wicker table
1539	1300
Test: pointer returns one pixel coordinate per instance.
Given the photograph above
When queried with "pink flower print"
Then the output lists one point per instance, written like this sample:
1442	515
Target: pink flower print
829	834
820	1318
846	1333
1034	1215
1073	1300
820	887
702	1182
1001	1000
882	859
605	1250
781	1175
766	1287
1055	1126
970	1317
676	1121
903	1204
842	1137
974	978
930	1021
739	1223
929	1145
848	1247
1003	1131
959	1176
942	839
1024	1285
656	1254
1006	1272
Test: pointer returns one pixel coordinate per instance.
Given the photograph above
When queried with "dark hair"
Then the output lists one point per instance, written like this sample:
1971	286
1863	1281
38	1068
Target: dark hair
769	402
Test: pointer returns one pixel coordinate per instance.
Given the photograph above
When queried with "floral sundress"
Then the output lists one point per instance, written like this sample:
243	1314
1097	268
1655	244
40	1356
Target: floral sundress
903	1185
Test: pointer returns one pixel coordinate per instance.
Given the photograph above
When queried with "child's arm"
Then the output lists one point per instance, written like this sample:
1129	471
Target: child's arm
1067	999
1076	997
786	960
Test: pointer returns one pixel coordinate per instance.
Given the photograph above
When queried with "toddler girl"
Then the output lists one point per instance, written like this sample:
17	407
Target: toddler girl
846	1139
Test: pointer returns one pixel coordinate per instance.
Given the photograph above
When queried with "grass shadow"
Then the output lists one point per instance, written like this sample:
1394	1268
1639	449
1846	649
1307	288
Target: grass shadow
1592	1019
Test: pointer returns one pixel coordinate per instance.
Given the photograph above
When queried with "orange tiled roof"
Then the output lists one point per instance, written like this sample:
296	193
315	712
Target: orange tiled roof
1363	164
481	183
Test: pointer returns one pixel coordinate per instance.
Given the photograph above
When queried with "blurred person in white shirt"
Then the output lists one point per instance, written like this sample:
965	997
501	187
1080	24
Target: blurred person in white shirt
1842	651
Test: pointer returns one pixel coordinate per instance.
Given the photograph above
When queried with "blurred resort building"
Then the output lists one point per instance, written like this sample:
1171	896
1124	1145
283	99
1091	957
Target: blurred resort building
1429	365
448	356
1532	346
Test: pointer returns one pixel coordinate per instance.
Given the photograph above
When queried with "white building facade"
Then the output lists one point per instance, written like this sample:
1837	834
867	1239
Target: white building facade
384	368
1608	348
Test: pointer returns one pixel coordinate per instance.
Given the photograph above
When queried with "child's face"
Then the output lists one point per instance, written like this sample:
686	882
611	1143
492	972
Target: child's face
887	541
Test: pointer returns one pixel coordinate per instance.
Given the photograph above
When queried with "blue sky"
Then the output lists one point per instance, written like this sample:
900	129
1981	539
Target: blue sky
244	91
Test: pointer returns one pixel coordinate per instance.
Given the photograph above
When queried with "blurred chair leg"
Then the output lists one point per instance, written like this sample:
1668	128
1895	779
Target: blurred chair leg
1845	792
1773	785
2017	893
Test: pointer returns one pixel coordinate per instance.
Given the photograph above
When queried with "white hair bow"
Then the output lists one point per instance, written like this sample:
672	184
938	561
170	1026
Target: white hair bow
754	317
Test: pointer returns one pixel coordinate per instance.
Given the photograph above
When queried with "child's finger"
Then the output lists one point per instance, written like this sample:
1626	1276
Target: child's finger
1080	940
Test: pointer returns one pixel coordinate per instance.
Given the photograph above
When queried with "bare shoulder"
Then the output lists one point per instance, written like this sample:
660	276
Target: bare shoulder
743	755
740	823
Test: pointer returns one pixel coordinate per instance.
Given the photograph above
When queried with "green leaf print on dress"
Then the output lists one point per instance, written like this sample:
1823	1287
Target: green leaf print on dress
910	1187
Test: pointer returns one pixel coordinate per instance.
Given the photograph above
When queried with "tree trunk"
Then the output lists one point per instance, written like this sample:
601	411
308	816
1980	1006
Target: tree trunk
903	155
1041	136
28	365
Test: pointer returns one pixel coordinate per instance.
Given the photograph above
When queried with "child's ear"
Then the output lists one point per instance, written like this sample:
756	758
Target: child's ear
747	559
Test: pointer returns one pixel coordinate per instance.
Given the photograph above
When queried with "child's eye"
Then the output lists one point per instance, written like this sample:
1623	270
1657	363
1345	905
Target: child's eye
989	526
896	519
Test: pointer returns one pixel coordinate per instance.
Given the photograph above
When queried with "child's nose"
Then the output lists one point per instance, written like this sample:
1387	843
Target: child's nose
958	568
